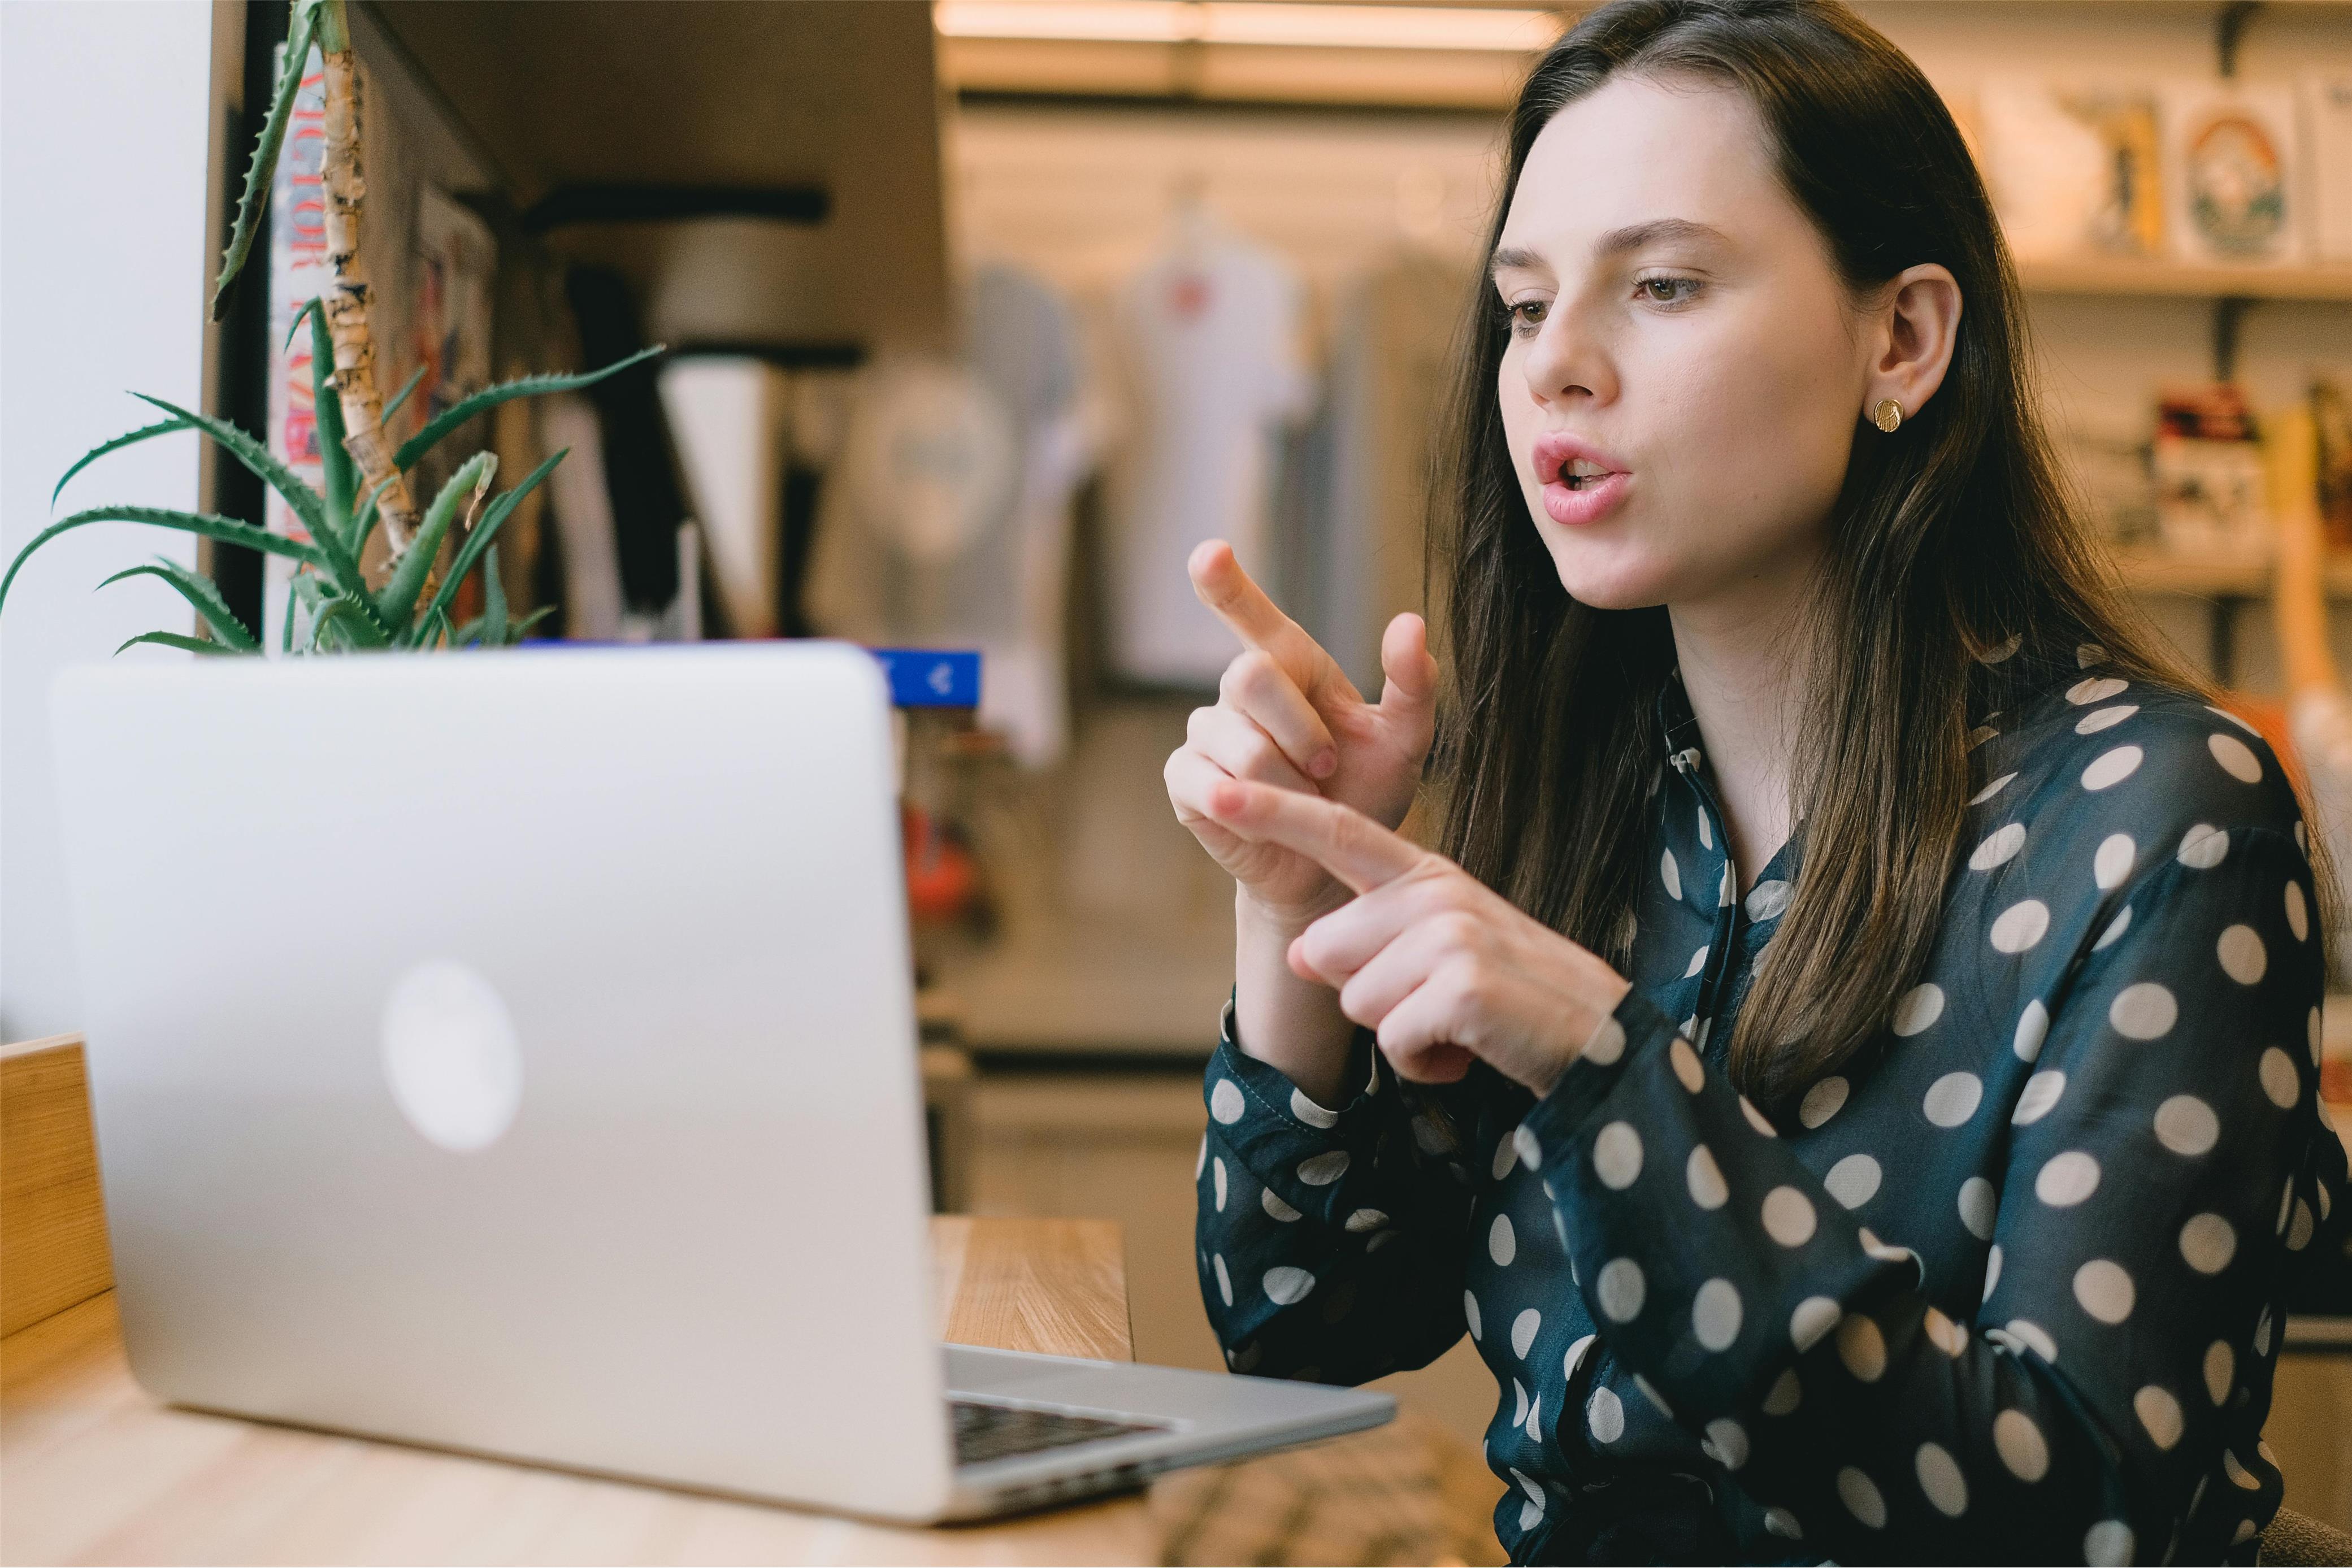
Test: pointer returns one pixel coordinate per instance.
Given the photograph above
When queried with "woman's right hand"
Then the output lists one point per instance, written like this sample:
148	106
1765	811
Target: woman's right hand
1287	714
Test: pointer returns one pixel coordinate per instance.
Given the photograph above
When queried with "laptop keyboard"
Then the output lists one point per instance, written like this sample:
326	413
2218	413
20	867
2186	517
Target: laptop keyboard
985	1432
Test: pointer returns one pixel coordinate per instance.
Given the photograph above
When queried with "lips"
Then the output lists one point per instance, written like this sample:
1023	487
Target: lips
1581	483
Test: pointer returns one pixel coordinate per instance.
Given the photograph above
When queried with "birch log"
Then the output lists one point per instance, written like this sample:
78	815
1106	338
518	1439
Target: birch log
347	300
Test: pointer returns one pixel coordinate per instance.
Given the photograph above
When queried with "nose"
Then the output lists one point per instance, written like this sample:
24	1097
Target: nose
1569	361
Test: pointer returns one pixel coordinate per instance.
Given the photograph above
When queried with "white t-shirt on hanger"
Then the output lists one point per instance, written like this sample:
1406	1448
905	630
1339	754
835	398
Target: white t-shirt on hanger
1209	331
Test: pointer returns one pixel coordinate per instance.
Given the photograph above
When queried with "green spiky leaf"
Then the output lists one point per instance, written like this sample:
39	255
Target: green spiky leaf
173	640
286	632
516	632
348	619
400	397
200	592
144	433
396	605
365	524
260	173
314	305
255	457
337	472
485	533
494	602
228	530
424	439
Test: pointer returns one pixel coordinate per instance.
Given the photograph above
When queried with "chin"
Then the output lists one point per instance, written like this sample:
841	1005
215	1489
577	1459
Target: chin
1607	578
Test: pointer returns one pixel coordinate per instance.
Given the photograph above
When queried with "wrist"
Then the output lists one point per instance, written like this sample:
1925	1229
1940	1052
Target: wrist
1256	916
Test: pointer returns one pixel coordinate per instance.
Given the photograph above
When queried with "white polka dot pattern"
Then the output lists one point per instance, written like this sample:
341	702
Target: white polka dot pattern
1821	1101
2042	1091
1953	1098
2113	861
2186	1125
1716	1314
1789	1217
2022	1448
1862	1347
1621	1289
1617	1155
2107	1542
2104	1290
1854	1180
1605	1416
2020	926
2237	758
2104	1059
2067	1179
2159	1416
2033	1028
1861	1496
2113	767
1921	1005
2000	848
1941	1479
1705	1179
1978	1205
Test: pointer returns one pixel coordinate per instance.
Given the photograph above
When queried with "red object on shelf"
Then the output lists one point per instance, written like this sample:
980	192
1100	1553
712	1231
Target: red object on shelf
943	879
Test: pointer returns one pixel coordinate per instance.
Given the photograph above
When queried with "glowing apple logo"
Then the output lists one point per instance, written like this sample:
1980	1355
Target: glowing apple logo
451	1057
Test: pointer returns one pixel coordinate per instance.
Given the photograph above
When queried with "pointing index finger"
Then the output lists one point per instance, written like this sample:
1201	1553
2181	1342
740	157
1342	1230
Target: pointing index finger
1220	583
1340	839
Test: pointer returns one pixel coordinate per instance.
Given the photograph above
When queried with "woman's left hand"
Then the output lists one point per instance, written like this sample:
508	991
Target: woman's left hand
1439	966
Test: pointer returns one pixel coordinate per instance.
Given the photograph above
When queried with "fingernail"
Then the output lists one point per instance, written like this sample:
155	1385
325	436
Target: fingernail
1325	761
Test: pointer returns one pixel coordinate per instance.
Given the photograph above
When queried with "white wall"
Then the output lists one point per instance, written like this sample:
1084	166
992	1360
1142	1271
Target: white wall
105	120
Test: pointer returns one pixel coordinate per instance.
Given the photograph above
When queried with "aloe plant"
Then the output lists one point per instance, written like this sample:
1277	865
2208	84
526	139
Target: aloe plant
364	484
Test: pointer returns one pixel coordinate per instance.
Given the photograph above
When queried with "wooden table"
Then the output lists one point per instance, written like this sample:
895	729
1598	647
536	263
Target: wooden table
96	1470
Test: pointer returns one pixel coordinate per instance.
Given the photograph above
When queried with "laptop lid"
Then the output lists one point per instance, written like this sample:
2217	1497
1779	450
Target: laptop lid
515	1052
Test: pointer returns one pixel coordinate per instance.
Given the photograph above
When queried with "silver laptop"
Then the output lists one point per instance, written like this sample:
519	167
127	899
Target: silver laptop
515	1052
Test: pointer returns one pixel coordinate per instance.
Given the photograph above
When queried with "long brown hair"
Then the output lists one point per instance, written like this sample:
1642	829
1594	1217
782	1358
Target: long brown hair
1945	541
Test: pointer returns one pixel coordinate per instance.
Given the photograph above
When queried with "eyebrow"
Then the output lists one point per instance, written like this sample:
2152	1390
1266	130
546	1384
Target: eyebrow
1617	241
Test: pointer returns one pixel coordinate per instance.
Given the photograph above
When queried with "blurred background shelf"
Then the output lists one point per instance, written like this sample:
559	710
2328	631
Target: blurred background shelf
2183	280
2159	573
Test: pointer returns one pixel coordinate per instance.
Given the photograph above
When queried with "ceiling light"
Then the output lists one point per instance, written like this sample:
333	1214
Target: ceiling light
1259	22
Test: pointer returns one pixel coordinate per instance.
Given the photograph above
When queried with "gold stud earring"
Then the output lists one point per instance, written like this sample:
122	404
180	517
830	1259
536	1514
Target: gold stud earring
1887	414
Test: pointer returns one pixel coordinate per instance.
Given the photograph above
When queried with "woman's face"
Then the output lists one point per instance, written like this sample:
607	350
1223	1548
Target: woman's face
1679	334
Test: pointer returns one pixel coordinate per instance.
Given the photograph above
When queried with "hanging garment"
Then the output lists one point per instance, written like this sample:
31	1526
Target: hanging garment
945	519
1209	335
1391	365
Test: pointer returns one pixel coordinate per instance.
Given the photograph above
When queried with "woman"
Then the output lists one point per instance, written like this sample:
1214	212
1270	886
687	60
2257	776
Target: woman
1852	1069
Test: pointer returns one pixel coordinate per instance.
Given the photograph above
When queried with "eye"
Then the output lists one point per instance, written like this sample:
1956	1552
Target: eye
1667	290
1525	316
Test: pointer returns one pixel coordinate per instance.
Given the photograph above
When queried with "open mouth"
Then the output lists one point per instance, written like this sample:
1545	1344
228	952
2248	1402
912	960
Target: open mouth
1580	472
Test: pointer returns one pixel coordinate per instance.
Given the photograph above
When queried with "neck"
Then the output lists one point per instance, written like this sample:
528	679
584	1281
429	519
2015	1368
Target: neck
1746	671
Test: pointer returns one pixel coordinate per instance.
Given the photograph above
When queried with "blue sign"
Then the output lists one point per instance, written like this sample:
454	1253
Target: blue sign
931	678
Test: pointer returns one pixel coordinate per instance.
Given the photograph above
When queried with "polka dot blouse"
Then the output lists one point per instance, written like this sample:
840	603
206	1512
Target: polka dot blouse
2006	1287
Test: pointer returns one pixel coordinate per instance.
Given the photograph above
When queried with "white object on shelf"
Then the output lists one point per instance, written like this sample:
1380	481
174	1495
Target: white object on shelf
730	417
2328	131
2233	172
2073	168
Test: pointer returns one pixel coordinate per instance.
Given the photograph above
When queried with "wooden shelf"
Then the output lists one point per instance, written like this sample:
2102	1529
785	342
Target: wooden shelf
2186	280
2155	571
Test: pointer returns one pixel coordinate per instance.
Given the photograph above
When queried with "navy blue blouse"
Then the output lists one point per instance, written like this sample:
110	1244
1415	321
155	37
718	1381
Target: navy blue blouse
2007	1286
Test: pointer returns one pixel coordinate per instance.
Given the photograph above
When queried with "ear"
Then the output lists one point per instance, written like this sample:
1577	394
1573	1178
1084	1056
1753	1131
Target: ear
1918	322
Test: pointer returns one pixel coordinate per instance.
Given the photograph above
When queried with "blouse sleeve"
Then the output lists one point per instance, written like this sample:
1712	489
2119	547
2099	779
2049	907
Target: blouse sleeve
1331	1242
2159	1164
